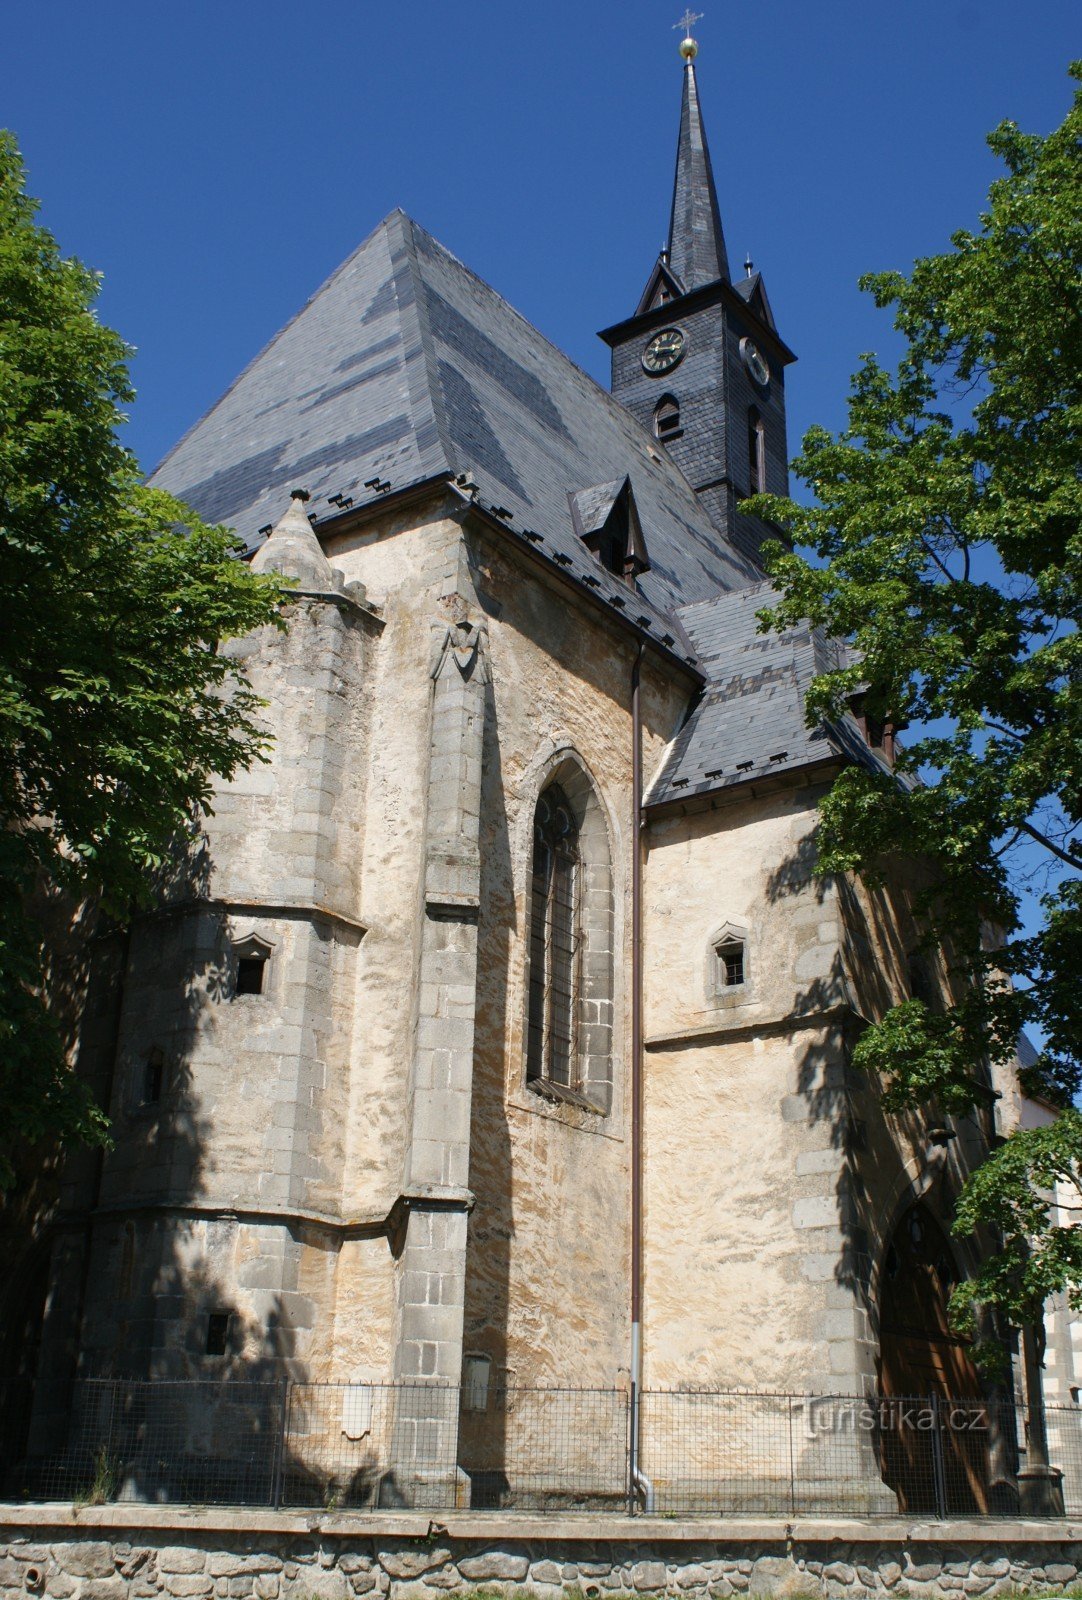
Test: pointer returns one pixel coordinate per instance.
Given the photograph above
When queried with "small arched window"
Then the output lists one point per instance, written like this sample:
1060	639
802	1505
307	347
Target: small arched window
554	940
729	955
728	972
756	452
252	956
667	419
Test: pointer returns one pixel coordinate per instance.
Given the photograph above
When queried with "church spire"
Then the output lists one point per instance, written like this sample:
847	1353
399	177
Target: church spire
696	252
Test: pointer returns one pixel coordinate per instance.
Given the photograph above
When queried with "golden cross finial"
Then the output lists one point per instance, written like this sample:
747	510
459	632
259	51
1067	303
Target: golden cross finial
688	48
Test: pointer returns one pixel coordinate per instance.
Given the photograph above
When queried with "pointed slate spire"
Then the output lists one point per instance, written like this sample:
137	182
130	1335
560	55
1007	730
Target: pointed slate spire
293	549
696	242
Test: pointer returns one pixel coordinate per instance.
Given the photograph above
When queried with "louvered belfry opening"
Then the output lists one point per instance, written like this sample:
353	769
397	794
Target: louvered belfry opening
554	941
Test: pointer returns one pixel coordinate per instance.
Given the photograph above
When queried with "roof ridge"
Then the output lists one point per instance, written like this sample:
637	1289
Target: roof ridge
606	394
418	311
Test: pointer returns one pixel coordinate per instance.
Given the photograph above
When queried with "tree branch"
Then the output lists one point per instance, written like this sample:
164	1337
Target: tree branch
930	552
1064	855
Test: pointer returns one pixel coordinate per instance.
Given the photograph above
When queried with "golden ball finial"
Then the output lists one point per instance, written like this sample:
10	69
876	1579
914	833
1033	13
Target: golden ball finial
688	48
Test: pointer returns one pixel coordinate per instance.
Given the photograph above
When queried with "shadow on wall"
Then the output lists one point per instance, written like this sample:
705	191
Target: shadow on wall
133	1370
83	956
890	1161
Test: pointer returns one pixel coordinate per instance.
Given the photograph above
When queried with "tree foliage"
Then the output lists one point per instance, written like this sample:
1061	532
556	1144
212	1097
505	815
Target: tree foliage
116	707
947	552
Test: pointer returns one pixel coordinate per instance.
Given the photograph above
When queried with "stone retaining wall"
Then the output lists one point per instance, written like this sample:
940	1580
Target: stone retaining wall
61	1556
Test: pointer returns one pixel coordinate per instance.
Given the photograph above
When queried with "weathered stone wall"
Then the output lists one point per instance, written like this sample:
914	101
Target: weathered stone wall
305	1130
547	1287
251	1119
773	1177
745	1112
284	1560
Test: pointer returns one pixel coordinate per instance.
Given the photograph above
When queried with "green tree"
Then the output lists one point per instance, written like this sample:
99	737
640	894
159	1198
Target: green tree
946	550
116	707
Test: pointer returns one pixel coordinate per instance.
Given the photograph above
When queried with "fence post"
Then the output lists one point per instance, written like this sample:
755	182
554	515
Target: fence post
939	1477
284	1402
110	1449
631	1449
792	1467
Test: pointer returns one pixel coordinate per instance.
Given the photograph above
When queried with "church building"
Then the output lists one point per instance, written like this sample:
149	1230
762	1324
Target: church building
495	1030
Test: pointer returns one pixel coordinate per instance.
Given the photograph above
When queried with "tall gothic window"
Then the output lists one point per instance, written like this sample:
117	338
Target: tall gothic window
554	941
756	452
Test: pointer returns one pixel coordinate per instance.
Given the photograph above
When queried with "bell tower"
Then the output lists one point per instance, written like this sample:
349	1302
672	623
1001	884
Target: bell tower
700	362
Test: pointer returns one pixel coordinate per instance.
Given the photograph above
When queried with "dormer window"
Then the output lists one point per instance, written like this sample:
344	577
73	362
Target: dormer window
606	519
667	419
879	732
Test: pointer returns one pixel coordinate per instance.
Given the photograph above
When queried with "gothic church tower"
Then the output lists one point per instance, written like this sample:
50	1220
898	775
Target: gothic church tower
700	363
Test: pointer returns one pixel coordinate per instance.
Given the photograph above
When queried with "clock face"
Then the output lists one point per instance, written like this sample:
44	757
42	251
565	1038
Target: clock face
664	351
756	362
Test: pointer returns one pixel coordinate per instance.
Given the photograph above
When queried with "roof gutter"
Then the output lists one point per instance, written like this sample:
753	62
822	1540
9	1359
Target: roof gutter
356	516
353	520
749	788
568	579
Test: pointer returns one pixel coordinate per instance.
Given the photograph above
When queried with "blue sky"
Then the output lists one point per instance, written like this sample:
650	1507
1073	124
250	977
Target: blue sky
216	162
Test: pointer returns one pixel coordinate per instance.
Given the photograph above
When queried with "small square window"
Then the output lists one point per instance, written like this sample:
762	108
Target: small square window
250	974
730	957
218	1326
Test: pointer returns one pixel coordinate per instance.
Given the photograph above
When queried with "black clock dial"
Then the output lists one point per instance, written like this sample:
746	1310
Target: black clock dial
664	351
756	362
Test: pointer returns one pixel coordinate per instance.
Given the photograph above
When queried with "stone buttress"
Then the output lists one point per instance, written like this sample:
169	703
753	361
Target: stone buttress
436	1199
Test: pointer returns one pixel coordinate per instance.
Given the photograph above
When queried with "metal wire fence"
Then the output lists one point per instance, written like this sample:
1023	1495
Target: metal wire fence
438	1447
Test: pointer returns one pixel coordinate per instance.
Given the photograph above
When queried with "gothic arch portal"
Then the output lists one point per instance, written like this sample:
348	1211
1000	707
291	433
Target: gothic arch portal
935	1423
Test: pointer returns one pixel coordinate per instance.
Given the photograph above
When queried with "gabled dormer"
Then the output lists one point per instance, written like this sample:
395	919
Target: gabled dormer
700	362
662	286
752	291
606	519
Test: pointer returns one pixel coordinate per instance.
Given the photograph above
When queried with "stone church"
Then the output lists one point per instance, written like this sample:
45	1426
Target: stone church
496	1029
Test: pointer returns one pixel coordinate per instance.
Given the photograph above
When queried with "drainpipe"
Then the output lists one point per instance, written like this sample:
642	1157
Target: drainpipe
640	1483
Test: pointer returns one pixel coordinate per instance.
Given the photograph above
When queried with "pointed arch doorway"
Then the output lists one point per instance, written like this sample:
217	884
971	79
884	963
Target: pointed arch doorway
934	1419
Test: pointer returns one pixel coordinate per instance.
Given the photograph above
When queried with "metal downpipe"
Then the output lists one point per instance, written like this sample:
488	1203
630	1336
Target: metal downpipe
640	1483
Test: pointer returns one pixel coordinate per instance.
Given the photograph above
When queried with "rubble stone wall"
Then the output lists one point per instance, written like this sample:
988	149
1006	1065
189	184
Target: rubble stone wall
546	1559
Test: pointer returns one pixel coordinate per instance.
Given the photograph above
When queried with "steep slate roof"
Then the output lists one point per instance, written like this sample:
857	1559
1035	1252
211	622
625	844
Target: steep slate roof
405	365
750	720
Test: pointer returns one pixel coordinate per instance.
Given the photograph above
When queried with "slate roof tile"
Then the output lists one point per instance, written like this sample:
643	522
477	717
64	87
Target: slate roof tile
750	719
405	365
